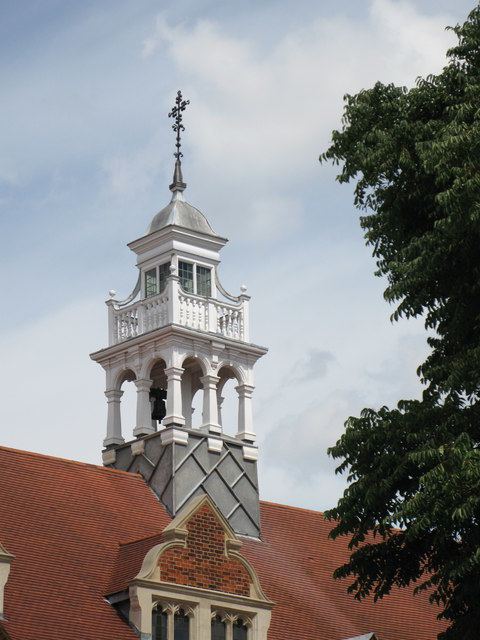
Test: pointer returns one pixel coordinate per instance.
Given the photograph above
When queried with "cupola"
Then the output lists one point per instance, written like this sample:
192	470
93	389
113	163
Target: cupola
179	334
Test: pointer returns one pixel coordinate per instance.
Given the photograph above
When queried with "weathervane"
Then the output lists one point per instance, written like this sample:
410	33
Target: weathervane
177	126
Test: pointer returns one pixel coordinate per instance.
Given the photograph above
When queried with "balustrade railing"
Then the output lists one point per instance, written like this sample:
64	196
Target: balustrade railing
140	317
230	321
193	311
178	307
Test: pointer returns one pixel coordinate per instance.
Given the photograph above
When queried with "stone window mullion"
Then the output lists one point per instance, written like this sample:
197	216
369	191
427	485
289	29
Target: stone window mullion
229	627
171	610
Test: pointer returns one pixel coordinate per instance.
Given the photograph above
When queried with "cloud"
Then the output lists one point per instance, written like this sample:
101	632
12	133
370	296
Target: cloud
294	464
278	104
300	441
52	392
263	106
312	366
261	113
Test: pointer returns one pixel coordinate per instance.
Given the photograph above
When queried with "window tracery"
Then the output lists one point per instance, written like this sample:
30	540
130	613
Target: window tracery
172	621
227	625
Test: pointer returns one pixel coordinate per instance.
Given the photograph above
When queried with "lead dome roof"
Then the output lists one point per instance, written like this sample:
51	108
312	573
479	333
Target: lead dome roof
182	214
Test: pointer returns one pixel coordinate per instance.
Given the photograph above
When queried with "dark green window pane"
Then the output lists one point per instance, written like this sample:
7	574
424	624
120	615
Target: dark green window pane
239	630
185	271
181	626
163	273
219	629
159	625
150	282
204	281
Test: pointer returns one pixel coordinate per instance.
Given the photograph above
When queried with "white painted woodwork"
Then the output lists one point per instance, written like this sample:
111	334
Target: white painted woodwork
173	326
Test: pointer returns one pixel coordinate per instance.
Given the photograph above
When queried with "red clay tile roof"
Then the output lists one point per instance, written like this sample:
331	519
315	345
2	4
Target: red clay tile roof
129	560
80	531
63	521
295	562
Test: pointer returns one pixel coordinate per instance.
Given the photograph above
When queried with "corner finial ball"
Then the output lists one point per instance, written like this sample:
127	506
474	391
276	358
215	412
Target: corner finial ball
243	288
112	293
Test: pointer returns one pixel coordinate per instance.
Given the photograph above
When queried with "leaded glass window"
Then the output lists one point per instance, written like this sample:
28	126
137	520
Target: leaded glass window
185	271
163	273
181	626
150	282
204	281
160	625
239	630
219	628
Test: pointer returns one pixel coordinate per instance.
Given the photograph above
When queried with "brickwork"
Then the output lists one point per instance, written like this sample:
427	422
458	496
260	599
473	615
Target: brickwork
203	563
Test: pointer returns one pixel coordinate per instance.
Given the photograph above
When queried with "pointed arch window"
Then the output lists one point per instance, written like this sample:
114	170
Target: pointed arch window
181	625
160	624
171	622
230	626
219	628
240	629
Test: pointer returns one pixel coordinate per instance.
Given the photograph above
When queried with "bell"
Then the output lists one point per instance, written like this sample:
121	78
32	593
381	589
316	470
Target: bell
159	410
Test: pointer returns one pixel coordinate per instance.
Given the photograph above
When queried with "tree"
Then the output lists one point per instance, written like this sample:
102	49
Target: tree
412	505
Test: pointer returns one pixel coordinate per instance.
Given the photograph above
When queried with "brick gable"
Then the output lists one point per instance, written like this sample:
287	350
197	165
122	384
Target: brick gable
204	562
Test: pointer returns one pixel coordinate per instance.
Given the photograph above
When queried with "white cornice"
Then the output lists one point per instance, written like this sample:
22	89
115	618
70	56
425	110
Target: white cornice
177	331
172	233
211	594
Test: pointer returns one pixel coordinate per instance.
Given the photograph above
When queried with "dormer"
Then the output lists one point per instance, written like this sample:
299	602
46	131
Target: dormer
6	560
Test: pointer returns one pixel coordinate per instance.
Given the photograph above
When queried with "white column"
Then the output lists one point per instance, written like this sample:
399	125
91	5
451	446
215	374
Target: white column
220	400
245	415
212	316
174	397
245	329
112	333
144	412
210	405
173	288
140	319
114	420
187	398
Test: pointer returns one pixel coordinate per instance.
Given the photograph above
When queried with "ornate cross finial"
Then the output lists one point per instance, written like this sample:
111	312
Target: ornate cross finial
176	112
177	126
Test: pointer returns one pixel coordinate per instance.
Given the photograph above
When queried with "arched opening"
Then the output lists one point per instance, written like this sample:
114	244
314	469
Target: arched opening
192	393
227	399
158	393
128	402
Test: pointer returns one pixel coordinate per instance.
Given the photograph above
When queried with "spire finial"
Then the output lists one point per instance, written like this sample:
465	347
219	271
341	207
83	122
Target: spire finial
180	105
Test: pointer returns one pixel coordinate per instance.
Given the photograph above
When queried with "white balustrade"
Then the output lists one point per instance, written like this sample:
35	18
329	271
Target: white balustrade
196	312
230	321
156	312
140	317
193	311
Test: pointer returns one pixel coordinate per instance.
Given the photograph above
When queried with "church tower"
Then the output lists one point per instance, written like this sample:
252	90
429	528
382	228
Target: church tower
180	333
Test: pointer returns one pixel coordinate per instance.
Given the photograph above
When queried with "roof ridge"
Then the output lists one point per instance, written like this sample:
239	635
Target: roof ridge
290	506
35	454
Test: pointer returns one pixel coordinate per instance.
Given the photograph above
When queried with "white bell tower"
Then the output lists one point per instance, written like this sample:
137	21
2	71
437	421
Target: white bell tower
177	334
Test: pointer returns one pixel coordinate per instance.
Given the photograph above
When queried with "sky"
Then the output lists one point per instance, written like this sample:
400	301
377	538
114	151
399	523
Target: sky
85	163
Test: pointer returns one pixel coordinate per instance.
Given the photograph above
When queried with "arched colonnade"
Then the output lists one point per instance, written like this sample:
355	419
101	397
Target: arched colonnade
165	396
